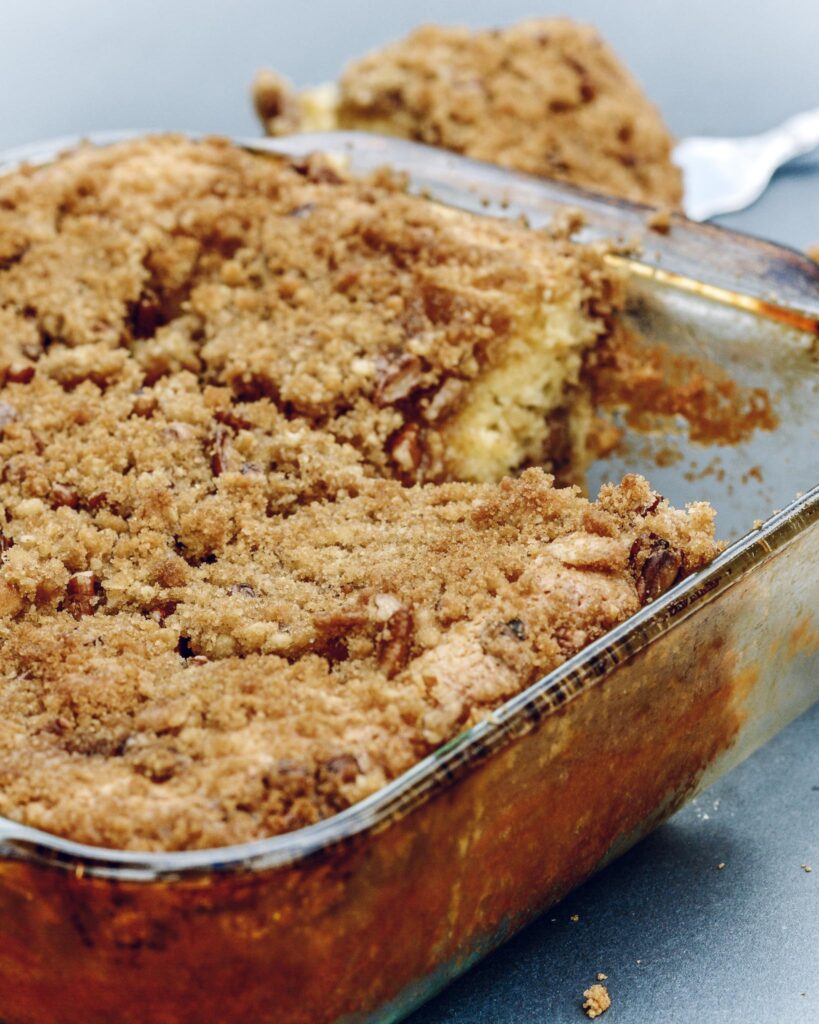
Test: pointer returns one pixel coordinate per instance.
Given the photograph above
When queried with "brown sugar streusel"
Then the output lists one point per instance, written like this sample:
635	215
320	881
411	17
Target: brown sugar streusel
239	586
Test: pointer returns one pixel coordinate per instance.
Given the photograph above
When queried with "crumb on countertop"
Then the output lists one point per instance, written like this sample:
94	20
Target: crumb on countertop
596	1000
660	221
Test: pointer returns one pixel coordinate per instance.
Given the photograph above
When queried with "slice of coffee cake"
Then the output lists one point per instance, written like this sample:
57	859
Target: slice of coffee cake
546	96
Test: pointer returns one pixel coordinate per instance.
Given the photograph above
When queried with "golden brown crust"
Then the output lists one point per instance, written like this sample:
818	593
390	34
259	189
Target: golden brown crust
218	620
546	96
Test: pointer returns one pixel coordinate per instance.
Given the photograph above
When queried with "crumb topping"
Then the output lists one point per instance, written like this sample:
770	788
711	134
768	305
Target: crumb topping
546	96
223	611
597	1000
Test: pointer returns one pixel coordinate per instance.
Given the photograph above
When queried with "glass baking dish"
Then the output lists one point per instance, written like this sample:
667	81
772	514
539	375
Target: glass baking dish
362	917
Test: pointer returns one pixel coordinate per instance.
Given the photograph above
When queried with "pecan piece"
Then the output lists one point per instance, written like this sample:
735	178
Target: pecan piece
82	593
146	315
331	775
160	612
317	168
445	399
63	495
397	378
96	501
345	767
515	628
229	418
396	644
656	566
405	448
19	373
653	505
220	450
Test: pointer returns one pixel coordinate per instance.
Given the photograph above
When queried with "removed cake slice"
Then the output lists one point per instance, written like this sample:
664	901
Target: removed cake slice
546	96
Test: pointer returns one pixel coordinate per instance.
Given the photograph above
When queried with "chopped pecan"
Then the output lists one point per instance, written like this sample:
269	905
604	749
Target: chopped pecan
220	450
656	566
345	767
318	168
444	400
82	594
146	315
405	448
96	501
398	376
396	644
652	505
19	373
342	619
331	775
161	611
155	762
63	495
231	419
515	628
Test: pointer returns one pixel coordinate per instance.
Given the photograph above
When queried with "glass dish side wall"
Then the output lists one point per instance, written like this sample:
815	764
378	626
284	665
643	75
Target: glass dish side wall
369	928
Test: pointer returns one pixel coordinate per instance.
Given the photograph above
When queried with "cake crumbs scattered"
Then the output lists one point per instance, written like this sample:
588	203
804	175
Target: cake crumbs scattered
660	221
596	1000
721	865
575	918
806	868
602	977
567	222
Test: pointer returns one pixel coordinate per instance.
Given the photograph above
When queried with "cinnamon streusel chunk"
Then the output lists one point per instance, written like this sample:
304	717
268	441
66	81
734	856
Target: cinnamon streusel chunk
546	96
224	611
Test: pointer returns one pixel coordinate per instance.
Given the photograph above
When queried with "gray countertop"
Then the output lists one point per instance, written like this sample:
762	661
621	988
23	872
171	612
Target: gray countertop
681	940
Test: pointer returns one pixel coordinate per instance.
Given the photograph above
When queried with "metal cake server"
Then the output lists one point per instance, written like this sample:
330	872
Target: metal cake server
724	175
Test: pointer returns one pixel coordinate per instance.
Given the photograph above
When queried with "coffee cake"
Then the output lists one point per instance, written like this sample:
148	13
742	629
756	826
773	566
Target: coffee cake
254	565
546	96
